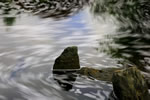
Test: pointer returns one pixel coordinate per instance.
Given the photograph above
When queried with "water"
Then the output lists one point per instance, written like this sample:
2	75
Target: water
33	34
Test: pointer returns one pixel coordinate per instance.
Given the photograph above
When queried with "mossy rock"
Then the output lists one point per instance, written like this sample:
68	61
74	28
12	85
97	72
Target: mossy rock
129	84
103	75
69	59
90	72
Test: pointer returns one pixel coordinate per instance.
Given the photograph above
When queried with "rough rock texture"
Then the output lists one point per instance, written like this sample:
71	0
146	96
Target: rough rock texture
69	59
103	75
129	84
147	78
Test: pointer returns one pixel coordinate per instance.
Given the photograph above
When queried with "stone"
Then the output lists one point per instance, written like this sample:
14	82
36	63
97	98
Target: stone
147	78
129	84
103	74
90	72
69	59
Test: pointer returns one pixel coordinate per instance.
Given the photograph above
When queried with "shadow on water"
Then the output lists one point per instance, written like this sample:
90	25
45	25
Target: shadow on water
56	9
65	79
81	87
131	42
9	21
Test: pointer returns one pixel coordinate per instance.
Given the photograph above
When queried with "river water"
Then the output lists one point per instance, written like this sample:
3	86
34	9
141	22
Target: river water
33	34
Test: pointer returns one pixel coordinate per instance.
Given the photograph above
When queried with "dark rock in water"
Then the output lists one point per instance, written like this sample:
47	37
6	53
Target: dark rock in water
103	75
64	71
69	59
65	66
129	84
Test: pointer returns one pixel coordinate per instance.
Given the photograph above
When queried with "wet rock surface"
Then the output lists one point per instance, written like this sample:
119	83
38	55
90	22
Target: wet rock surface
69	59
103	75
147	78
129	84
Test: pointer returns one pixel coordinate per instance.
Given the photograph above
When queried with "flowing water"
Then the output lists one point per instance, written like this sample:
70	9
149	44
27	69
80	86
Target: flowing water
33	34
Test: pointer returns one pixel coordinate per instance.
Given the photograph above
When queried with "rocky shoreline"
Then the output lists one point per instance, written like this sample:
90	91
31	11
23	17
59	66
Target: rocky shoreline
128	83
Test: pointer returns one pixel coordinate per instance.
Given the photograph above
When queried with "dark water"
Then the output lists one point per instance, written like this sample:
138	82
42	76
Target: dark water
33	33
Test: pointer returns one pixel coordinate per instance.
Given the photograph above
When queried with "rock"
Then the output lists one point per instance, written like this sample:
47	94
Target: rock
90	72
103	75
69	59
147	78
65	67
129	84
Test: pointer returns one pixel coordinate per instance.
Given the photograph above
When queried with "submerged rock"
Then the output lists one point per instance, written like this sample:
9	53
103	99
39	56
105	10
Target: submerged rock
103	75
129	84
69	59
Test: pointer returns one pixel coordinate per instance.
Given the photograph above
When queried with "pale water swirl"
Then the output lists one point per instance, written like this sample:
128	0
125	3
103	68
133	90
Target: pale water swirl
33	34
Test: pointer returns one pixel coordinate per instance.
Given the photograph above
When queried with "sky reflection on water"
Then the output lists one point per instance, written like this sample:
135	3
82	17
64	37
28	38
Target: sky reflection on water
30	43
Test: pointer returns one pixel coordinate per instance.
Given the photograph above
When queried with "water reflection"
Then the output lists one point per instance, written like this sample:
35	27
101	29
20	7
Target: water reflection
131	41
65	79
9	21
39	40
29	45
45	8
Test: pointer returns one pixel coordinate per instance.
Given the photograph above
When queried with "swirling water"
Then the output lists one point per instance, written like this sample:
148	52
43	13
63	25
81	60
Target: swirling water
33	34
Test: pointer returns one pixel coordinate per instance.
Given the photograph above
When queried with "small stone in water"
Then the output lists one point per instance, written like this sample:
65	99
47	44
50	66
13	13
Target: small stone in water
69	59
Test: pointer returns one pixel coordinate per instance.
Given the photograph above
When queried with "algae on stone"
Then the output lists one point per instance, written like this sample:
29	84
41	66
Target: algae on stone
129	84
103	74
69	59
89	72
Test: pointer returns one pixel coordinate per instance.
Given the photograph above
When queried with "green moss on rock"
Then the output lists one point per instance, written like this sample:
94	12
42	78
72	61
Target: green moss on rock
129	84
103	75
69	59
